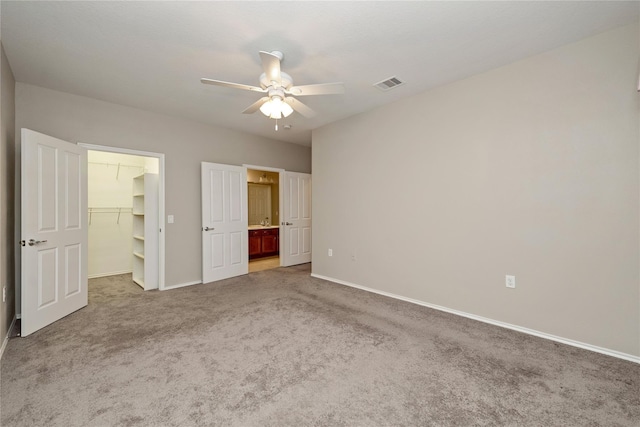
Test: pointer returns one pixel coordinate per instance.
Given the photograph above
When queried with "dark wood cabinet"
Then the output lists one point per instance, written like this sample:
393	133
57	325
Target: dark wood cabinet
263	243
270	244
255	244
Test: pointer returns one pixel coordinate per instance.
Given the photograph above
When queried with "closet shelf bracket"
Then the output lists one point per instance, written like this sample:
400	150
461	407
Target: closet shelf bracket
112	210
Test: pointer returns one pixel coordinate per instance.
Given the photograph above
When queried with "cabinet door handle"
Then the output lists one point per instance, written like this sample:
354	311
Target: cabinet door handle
208	229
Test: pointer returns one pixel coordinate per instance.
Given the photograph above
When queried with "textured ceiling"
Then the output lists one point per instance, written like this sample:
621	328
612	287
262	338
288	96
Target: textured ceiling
151	55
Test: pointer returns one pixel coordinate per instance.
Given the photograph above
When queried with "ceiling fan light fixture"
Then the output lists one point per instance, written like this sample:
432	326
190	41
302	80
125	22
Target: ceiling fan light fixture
276	101
276	84
275	108
286	109
266	108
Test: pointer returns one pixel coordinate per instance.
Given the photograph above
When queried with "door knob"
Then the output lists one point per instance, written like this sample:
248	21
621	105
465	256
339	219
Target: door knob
36	242
288	223
208	229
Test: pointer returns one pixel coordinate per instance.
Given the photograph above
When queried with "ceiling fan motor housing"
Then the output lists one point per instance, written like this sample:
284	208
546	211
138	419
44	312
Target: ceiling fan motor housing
276	92
285	81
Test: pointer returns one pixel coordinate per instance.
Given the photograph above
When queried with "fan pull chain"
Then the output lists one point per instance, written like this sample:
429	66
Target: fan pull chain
276	124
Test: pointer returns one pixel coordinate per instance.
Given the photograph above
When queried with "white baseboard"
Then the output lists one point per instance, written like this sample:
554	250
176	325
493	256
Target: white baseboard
585	346
113	273
6	339
182	285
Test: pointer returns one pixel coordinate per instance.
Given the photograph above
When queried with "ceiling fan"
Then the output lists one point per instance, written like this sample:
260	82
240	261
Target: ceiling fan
278	85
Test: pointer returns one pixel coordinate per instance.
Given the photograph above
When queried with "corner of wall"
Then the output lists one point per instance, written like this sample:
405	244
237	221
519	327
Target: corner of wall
7	183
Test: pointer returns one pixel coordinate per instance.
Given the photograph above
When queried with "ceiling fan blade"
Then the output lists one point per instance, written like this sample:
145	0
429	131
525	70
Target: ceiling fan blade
232	85
256	105
271	66
300	107
318	89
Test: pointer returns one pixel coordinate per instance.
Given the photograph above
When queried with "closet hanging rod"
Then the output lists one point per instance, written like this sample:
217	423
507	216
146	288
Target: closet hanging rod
112	210
117	164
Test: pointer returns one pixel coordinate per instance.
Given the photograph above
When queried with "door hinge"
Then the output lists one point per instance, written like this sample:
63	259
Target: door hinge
22	242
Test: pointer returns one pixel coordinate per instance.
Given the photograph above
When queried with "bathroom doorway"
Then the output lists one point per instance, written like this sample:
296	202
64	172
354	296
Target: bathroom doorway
263	204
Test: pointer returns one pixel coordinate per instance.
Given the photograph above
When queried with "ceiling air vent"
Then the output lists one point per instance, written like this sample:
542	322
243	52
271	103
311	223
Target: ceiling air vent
389	83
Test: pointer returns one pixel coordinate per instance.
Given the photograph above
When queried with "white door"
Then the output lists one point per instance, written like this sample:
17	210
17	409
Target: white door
296	219
54	230
224	222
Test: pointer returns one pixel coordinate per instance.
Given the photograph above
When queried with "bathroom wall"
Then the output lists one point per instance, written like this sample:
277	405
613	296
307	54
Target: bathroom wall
275	206
254	176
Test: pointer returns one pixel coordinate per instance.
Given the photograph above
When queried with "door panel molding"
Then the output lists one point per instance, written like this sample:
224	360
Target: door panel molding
225	232
297	218
54	258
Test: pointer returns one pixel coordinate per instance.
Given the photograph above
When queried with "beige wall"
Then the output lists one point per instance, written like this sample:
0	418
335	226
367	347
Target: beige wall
7	153
531	169
184	143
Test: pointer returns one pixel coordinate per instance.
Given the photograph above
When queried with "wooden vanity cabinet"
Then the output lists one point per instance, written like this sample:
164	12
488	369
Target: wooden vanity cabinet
263	243
255	243
270	243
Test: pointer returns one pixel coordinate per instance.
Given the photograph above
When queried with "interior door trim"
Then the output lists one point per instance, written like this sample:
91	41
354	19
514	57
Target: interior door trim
280	172
161	187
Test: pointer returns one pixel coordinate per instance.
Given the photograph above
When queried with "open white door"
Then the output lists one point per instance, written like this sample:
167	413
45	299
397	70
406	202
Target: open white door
225	236
296	219
54	230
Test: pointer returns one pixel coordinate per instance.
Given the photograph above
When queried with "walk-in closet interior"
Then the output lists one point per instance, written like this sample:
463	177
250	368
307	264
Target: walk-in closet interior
123	216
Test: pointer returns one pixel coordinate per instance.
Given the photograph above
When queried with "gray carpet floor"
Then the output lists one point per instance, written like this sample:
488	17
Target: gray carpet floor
279	348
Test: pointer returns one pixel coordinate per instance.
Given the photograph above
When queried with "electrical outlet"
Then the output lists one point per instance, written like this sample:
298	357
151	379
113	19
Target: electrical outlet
510	281
330	252
353	256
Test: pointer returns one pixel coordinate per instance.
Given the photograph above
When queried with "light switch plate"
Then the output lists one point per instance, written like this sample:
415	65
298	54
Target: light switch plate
170	219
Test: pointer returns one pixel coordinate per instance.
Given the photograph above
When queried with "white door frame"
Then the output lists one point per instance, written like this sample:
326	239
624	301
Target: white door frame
161	223
280	200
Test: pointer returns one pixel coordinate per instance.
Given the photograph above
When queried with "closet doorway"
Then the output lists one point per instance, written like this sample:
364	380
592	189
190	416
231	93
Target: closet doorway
125	212
263	206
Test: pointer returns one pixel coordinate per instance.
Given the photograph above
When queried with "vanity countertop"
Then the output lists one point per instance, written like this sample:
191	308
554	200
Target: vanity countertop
262	227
